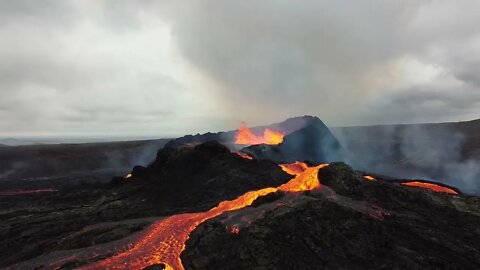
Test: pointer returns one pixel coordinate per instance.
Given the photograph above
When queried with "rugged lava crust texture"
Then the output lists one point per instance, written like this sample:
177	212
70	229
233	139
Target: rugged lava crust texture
349	222
360	225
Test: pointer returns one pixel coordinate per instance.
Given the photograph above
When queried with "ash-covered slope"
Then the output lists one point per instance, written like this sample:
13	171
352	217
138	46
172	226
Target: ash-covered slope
313	142
350	224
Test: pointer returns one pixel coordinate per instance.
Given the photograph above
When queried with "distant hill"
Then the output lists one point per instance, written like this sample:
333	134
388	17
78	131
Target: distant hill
34	161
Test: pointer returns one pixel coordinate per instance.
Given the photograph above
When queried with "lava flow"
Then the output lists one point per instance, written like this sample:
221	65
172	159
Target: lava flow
246	136
369	178
431	186
243	155
295	168
165	240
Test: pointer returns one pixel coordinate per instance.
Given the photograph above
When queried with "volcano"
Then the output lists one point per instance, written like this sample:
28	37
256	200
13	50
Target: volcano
272	197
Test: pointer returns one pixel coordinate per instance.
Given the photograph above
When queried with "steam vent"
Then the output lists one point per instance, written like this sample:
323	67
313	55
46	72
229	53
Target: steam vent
289	195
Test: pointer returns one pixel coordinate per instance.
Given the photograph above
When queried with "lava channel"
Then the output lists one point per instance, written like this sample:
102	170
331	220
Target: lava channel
431	186
164	241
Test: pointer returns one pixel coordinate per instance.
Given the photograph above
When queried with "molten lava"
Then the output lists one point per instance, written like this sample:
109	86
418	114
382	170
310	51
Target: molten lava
295	168
165	240
243	155
369	178
246	136
128	176
431	186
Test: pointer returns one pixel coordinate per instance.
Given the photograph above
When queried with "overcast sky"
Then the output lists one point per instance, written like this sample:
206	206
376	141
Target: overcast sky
163	68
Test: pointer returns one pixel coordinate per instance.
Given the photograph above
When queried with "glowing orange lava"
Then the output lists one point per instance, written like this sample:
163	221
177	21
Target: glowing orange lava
295	168
434	187
369	178
165	240
128	176
246	136
243	155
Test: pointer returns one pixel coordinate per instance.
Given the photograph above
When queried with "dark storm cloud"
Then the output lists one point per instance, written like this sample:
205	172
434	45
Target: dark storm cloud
159	67
333	59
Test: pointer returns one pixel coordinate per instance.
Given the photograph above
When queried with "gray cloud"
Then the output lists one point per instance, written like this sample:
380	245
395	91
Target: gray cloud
341	61
172	67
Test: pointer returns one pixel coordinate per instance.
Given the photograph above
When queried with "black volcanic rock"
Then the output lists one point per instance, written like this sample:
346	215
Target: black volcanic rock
341	178
390	227
138	171
200	177
314	143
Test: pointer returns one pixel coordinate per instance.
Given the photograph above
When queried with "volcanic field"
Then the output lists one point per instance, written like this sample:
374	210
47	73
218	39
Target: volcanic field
284	196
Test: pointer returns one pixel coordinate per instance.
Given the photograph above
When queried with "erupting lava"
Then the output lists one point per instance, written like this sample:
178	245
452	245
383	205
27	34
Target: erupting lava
165	240
246	136
431	186
295	168
369	178
243	155
128	176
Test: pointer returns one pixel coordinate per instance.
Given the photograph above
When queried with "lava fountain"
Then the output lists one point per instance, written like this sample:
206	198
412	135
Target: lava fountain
165	240
246	136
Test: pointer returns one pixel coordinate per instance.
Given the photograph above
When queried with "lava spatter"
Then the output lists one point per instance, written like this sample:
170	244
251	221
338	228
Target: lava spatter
165	240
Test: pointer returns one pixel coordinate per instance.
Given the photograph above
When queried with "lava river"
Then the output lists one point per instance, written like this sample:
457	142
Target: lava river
165	240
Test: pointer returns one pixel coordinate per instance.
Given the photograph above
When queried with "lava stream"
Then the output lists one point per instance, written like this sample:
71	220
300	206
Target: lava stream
165	240
431	186
243	155
369	178
246	136
295	168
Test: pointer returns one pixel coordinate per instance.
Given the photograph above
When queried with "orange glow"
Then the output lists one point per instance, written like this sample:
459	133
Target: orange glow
369	178
243	155
165	240
246	136
434	187
295	168
128	176
235	230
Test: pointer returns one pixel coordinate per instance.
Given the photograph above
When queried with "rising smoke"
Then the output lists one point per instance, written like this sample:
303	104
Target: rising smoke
432	152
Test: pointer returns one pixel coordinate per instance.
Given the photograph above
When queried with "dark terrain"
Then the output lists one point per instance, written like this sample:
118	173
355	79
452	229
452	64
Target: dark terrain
58	165
349	223
371	225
